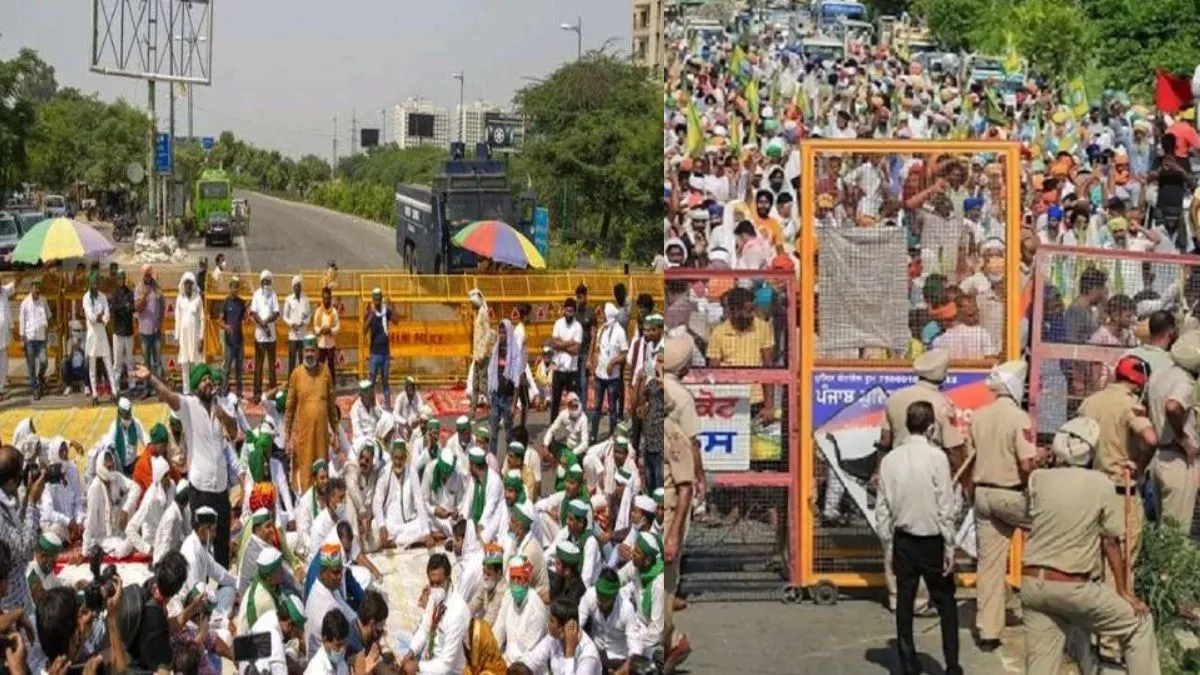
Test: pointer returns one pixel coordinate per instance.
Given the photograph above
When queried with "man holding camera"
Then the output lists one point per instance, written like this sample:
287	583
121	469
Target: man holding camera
19	523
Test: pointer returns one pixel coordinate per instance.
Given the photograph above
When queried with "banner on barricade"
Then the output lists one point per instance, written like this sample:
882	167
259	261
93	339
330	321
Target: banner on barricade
724	412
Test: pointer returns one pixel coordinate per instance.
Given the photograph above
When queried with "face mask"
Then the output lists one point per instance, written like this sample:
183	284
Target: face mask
518	591
340	512
574	413
490	584
337	658
994	277
103	472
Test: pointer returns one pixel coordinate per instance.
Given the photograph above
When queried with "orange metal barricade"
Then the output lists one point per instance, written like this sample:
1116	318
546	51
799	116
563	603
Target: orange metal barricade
862	204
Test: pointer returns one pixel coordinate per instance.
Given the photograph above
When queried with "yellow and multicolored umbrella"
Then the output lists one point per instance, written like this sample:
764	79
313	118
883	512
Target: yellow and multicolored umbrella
61	239
499	241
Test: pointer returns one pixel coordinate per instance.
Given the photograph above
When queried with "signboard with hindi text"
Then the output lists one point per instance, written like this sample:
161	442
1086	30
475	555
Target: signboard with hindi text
724	412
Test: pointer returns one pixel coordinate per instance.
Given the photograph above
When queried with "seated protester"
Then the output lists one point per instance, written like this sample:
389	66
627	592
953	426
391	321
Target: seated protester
566	581
327	595
610	618
522	526
579	532
468	560
484	496
157	447
39	574
260	535
362	476
620	502
285	623
641	520
407	409
570	428
265	477
615	455
566	649
385	430
328	657
443	491
177	453
310	504
485	603
480	651
437	644
203	568
482	440
399	506
263	593
364	414
147	635
175	524
527	462
358	564
644	574
143	526
26	440
514	491
126	436
367	631
460	441
353	586
274	404
107	498
427	444
552	510
337	509
62	505
656	528
521	622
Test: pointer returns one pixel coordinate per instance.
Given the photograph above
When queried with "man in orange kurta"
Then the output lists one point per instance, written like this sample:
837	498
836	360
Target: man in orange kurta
311	413
142	473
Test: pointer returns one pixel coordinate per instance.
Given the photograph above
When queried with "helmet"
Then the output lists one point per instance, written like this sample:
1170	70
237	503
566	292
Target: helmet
1133	369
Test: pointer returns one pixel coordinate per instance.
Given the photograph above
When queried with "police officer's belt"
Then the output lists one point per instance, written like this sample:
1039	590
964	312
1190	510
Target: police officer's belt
1014	488
1051	574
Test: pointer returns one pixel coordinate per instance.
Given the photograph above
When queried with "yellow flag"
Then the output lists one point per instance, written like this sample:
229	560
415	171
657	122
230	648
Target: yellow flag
1012	60
752	97
1078	98
735	134
695	130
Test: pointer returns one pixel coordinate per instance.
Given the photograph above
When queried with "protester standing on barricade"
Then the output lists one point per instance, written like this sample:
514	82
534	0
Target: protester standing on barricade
1124	448
566	340
121	307
189	328
233	317
481	344
1001	447
377	318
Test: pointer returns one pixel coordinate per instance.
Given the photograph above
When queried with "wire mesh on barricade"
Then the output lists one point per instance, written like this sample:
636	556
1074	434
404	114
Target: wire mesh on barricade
742	540
910	246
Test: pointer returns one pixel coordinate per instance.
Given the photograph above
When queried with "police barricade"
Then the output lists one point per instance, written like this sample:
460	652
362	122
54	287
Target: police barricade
743	545
905	245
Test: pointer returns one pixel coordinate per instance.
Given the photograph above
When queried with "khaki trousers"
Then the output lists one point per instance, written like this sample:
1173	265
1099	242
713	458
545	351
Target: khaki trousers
671	583
998	514
1054	610
1176	482
1110	647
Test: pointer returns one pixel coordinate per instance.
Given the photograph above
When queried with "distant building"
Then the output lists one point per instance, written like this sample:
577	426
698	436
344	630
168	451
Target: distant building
473	119
648	47
418	122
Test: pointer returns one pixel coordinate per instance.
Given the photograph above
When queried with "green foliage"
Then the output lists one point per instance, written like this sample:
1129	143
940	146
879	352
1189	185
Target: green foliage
956	22
389	165
77	137
25	83
1167	579
593	153
367	200
1138	37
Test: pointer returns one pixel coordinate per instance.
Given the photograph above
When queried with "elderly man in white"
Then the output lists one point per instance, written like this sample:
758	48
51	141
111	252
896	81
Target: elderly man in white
461	440
297	312
407	409
521	623
62	505
443	490
202	567
483	502
364	413
175	524
97	346
126	436
189	328
143	526
570	428
399	506
107	502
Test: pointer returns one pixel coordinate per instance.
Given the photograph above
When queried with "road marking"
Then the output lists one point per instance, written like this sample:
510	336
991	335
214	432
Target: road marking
245	253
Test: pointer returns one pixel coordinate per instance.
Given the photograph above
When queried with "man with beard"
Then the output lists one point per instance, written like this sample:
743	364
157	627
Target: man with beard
566	581
570	428
263	593
311	412
310	503
461	440
566	340
521	623
364	414
40	572
442	488
363	476
205	426
398	512
484	495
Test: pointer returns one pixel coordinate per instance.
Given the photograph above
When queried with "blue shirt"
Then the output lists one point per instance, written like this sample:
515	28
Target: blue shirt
378	331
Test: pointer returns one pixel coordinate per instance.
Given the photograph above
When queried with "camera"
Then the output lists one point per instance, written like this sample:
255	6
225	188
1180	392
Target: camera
101	587
55	474
32	471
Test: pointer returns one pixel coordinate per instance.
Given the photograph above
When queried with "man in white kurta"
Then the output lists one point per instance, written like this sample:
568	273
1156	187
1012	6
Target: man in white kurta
127	436
566	649
105	503
175	524
443	490
461	440
579	532
96	345
570	428
437	644
143	525
202	567
407	409
308	507
521	624
364	414
644	573
611	619
62	505
399	507
524	525
552	509
189	327
326	593
483	500
39	574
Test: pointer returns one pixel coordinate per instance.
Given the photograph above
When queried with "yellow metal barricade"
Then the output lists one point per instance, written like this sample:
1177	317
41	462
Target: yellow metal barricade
904	240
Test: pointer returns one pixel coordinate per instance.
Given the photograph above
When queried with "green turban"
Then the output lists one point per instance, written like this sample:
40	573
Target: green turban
159	433
198	373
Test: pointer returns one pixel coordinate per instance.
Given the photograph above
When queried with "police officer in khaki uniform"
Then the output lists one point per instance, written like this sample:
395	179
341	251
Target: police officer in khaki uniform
681	428
1171	402
1126	444
1001	442
1156	348
930	368
1075	517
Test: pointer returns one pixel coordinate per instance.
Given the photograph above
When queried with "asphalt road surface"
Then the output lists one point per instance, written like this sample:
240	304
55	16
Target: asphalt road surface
292	236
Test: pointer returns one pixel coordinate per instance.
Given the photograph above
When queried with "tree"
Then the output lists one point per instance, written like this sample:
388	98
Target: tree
595	133
25	83
79	138
1136	38
956	22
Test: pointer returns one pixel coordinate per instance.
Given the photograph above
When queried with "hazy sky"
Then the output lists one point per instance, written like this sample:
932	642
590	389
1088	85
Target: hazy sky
283	68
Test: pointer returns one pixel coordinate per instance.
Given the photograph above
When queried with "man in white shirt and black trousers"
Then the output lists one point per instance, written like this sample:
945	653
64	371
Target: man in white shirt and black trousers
205	425
915	511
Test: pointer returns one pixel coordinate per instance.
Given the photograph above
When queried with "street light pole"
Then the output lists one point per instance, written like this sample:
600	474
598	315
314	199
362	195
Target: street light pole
461	113
577	27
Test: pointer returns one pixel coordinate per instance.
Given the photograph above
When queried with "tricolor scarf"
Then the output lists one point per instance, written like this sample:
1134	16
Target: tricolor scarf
130	439
647	578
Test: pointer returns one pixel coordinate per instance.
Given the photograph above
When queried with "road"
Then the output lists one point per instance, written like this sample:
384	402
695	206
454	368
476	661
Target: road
291	236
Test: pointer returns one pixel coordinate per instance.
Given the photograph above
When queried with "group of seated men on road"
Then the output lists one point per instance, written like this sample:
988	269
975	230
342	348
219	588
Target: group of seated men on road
540	555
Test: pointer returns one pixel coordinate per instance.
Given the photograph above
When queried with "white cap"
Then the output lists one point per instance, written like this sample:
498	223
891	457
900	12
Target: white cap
264	275
645	503
269	556
206	511
446	456
124	404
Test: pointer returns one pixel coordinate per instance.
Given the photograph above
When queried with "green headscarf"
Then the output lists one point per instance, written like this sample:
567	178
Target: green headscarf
260	449
647	577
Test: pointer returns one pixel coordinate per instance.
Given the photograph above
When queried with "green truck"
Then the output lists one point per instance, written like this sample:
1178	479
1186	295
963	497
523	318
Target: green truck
213	207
